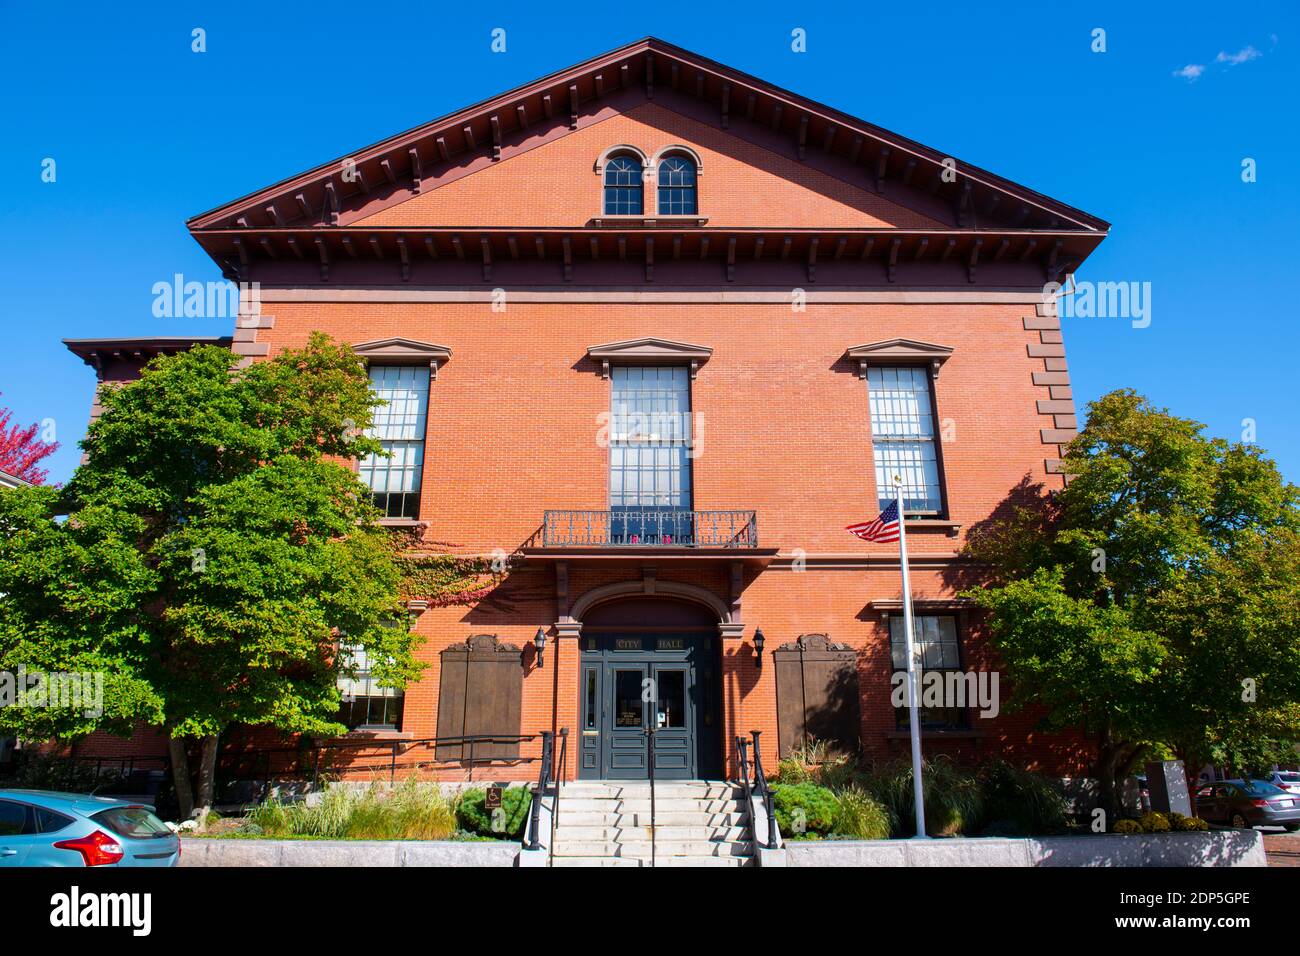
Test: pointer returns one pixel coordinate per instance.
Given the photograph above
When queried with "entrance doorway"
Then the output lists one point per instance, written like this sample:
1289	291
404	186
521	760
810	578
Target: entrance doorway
638	678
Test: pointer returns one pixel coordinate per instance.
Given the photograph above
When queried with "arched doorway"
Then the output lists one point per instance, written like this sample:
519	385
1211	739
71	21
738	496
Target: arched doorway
650	662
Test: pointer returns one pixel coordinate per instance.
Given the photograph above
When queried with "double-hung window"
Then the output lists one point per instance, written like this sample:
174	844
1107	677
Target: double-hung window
394	480
365	704
935	647
649	455
902	433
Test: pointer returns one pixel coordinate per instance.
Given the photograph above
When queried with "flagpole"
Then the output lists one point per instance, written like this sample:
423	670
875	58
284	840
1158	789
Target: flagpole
913	678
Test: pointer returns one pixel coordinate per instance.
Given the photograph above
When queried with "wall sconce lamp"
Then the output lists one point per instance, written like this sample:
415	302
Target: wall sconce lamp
539	644
759	641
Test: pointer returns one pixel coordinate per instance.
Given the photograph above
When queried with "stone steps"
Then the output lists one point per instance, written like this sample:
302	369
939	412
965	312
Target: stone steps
676	789
584	861
663	805
705	818
696	823
662	832
641	848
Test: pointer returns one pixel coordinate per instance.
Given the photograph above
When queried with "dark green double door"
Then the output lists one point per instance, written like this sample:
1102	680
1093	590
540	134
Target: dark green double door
632	683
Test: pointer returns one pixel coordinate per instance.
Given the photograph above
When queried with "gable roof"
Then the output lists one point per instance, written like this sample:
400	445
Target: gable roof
296	216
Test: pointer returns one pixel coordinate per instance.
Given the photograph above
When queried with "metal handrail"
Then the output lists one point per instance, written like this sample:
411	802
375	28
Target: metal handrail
764	791
555	802
543	780
742	761
650	528
650	740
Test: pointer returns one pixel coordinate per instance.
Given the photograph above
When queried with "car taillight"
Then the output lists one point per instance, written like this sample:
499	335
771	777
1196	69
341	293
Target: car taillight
98	849
1259	803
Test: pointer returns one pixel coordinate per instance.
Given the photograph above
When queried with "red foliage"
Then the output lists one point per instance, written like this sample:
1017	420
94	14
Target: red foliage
21	450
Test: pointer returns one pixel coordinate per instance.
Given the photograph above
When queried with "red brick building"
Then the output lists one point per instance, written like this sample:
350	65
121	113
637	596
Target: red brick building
656	331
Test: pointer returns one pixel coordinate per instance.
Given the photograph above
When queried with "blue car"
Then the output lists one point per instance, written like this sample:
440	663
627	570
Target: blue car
44	828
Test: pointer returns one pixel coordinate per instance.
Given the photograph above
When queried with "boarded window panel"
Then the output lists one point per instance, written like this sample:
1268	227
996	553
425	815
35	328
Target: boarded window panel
789	699
494	697
817	694
451	700
480	694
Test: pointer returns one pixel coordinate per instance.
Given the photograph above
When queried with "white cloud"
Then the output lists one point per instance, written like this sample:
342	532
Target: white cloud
1190	72
1243	55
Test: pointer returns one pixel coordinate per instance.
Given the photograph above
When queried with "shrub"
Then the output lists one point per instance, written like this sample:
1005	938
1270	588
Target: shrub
413	811
474	816
840	772
1183	824
1126	826
860	817
954	802
1022	801
803	808
1154	822
817	761
800	764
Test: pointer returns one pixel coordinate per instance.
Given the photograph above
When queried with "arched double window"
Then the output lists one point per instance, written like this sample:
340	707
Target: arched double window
676	182
623	186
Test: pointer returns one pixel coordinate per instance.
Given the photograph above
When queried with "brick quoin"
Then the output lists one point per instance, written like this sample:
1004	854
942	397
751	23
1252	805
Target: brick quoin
783	422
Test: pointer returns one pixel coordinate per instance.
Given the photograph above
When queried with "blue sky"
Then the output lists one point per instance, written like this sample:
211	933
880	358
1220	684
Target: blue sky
146	133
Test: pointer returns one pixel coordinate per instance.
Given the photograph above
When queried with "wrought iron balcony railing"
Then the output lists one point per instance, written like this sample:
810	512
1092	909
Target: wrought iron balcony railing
650	528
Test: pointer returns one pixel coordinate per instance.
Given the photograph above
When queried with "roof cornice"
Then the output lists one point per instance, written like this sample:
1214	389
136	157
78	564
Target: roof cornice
94	352
1052	252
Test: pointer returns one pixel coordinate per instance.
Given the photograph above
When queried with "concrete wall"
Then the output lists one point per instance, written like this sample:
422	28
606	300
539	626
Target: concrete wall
1225	848
201	851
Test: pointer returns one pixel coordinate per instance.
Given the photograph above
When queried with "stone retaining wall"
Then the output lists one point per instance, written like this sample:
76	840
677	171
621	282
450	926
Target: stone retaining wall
203	851
1219	848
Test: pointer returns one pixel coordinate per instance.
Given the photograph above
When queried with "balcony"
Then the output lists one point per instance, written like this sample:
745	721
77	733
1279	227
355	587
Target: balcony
650	528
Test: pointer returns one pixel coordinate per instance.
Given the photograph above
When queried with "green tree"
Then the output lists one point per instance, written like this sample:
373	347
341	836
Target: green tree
1154	599
208	556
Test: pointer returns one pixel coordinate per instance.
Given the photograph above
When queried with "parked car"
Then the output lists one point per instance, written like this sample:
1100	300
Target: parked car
45	828
1144	793
1288	780
1243	804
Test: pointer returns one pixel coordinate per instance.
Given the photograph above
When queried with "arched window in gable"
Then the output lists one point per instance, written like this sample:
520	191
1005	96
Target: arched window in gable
677	189
623	186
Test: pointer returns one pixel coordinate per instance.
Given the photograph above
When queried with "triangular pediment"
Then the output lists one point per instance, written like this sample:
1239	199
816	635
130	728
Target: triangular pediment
899	352
529	159
397	350
743	183
647	348
649	351
639	72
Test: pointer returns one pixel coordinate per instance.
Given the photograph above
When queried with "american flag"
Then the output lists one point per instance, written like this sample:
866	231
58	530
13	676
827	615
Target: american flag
883	528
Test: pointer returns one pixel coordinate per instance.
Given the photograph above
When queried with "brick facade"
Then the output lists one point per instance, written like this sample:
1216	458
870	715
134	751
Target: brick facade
515	415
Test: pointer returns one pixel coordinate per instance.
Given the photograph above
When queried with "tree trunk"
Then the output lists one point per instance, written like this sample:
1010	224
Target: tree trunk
1107	792
1192	764
181	776
207	778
